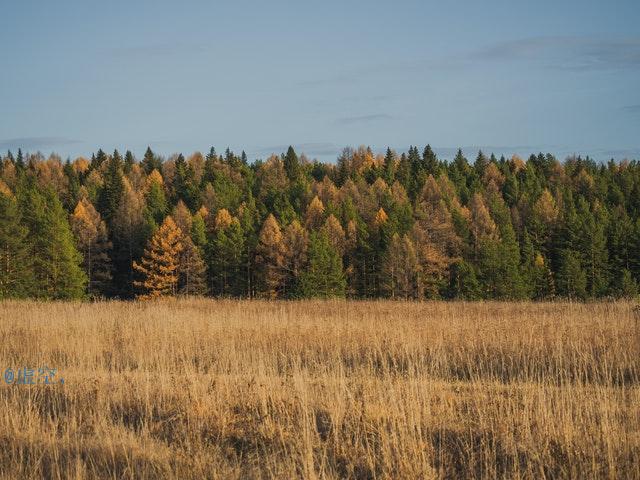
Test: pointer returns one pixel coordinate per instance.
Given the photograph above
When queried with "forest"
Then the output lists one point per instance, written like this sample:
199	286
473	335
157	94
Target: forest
400	225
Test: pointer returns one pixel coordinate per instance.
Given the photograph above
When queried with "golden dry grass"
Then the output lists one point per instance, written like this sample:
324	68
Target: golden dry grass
233	389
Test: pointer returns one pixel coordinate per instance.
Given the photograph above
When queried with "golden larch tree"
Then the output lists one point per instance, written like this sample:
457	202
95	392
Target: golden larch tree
315	214
191	266
159	265
482	225
335	233
93	242
270	258
296	243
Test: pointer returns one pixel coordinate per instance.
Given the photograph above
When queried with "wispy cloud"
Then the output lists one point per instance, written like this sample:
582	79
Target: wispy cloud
566	52
635	109
311	148
363	119
34	143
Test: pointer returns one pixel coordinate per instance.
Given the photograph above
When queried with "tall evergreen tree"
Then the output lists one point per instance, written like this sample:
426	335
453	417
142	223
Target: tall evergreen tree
150	162
291	164
56	261
226	260
112	189
16	262
324	276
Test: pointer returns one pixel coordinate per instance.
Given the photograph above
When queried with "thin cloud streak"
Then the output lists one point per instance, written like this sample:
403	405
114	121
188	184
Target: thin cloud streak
363	119
566	52
312	148
34	143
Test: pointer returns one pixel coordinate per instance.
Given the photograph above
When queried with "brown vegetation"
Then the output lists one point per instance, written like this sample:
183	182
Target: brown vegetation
233	389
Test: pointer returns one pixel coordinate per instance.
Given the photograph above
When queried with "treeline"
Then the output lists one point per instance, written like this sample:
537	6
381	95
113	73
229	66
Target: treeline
398	226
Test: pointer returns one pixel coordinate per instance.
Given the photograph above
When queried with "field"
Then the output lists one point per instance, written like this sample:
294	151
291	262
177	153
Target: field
231	389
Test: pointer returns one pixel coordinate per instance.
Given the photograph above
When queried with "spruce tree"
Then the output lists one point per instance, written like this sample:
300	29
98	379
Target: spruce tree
150	162
291	164
226	252
112	189
324	275
429	162
388	167
56	261
16	262
571	278
129	161
463	282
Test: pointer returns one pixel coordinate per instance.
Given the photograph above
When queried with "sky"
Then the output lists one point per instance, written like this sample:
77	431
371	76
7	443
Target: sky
506	77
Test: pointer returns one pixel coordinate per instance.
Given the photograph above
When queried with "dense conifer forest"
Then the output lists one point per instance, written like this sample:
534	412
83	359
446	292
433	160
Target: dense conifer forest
401	225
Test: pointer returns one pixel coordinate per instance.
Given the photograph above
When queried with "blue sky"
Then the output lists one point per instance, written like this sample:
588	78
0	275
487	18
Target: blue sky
507	76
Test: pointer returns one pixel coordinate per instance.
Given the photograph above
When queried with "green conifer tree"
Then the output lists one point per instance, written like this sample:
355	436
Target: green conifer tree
16	263
324	276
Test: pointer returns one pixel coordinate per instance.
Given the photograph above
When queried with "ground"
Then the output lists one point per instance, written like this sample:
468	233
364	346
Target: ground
248	389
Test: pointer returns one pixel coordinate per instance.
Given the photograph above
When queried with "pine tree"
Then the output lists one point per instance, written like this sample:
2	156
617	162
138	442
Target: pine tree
184	185
506	282
463	283
56	261
418	173
98	159
129	161
571	279
160	264
324	276
226	256
73	186
112	189
388	167
430	162
150	162
16	263
625	285
593	247
93	243
291	164
19	160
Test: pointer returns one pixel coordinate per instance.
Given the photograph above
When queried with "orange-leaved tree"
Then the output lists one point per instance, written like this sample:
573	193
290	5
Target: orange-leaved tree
159	265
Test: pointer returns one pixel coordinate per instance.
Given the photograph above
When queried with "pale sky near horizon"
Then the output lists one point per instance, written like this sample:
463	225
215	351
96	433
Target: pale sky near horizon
505	76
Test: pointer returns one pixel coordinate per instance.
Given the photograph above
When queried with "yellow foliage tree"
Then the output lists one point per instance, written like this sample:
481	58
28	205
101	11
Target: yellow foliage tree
315	214
380	218
223	219
159	265
93	242
270	258
335	233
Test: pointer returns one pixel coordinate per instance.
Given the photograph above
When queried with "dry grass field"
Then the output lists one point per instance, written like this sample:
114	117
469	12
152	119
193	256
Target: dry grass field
231	389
